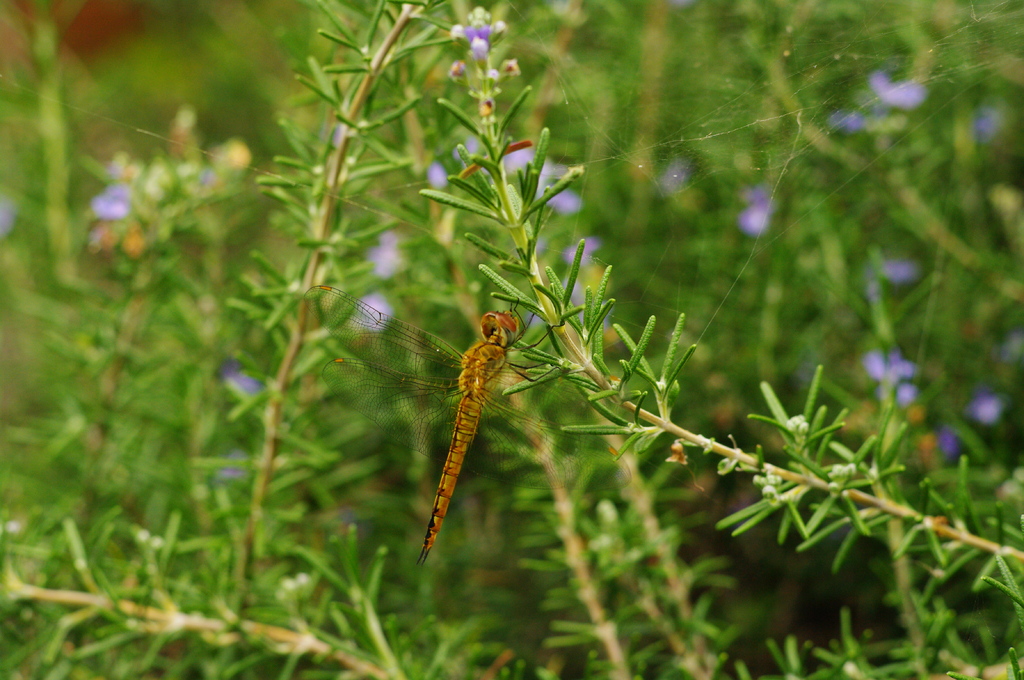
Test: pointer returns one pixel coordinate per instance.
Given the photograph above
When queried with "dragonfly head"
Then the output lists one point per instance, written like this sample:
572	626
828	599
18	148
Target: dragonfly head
500	328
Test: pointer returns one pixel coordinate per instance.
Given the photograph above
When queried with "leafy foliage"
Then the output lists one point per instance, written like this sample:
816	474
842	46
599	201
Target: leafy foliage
182	499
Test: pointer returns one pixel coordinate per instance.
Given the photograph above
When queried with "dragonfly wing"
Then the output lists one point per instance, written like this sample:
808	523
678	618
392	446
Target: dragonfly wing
379	338
413	411
518	446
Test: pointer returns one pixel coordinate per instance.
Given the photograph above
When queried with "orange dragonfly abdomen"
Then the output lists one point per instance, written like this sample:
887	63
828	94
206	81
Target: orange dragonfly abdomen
480	367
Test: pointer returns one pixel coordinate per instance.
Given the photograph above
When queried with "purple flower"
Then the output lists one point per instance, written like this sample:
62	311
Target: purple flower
566	202
379	303
232	472
231	374
898	272
674	176
949	443
437	176
754	219
986	407
905	94
478	33
681	3
988	120
8	211
901	272
848	122
479	47
592	244
386	256
113	204
1012	349
892	374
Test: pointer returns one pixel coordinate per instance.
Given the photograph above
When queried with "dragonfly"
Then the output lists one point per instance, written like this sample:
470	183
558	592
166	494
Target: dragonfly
425	394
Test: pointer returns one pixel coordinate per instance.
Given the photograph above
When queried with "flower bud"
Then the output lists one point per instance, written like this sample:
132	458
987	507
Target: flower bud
458	32
479	47
457	70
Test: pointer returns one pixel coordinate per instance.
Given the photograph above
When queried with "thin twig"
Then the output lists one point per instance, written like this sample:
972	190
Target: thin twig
282	640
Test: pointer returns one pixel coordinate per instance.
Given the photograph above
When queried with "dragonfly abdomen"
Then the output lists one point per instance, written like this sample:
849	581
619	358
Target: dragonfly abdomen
467	421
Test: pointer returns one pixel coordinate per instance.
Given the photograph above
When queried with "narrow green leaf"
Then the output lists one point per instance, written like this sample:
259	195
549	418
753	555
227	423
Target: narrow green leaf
673	347
542	150
568	314
962	500
1006	590
346	68
571	175
825	431
513	109
743	514
597	429
555	284
170	539
596	339
461	204
907	542
333	16
936	547
341	40
806	462
812	393
371	26
395	113
514	268
844	550
605	410
487	247
548	293
482	193
798	521
823	533
886	457
528	304
854	515
574	271
524	385
460	115
505	285
515	200
774	405
326	95
674	372
77	549
602	288
756	519
866	448
641	347
820	513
